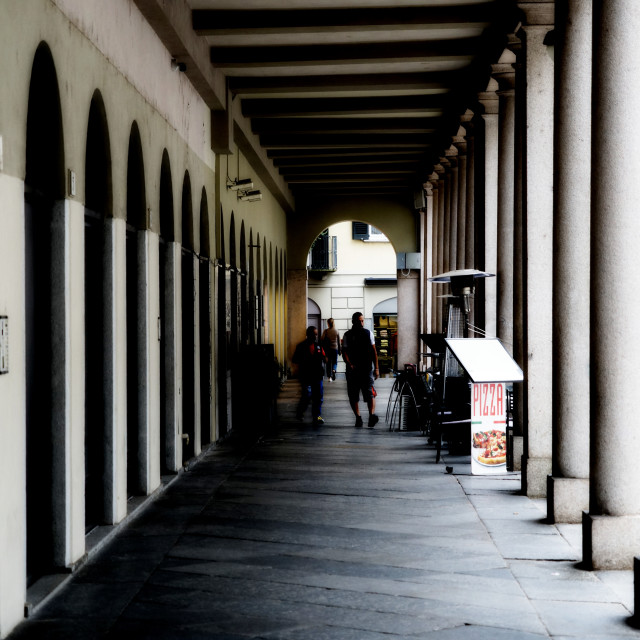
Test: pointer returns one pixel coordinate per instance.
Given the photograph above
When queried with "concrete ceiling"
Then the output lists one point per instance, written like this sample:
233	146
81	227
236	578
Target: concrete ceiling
339	97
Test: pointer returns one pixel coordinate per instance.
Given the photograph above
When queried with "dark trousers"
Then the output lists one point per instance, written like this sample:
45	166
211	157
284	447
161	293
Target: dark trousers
311	391
332	361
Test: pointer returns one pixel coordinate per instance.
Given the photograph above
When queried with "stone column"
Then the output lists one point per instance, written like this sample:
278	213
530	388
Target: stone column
427	257
519	253
115	478
454	185
460	144
68	415
173	356
489	100
568	490
408	315
612	526
148	362
446	214
538	183
296	308
435	243
504	73
469	246
440	171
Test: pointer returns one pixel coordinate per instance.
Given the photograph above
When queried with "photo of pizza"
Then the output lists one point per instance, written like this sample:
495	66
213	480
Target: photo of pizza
490	447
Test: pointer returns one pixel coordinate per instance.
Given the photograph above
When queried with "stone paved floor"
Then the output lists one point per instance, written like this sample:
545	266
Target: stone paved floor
341	534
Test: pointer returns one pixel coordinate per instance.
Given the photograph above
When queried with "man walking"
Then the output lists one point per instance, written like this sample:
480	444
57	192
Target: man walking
310	358
360	356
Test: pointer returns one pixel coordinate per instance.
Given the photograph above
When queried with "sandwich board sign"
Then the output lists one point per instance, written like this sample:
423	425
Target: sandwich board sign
488	428
489	366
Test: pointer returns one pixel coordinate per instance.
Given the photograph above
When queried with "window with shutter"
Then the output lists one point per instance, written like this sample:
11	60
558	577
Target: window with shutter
360	231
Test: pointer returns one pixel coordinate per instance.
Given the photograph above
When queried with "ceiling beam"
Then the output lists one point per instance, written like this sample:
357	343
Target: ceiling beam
425	82
342	125
288	107
225	21
346	140
247	57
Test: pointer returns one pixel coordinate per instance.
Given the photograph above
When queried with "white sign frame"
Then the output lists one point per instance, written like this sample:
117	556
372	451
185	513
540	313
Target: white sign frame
485	359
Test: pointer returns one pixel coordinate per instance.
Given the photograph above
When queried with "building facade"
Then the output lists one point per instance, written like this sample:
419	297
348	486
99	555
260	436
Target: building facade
362	278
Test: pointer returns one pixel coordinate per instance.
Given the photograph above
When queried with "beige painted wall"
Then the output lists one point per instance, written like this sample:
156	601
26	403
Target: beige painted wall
395	219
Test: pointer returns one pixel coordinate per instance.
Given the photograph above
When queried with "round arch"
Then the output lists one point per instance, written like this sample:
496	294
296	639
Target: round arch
44	319
167	220
187	213
393	218
136	191
98	206
99	185
205	240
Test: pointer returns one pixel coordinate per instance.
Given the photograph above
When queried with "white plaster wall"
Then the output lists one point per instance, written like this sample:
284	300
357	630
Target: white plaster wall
264	217
359	257
12	408
181	127
375	295
144	63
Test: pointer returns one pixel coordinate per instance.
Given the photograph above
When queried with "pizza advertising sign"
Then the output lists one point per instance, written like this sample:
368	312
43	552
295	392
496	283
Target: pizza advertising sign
488	428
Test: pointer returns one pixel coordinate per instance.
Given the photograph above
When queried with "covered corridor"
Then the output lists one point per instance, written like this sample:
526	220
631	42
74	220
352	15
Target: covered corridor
338	533
165	167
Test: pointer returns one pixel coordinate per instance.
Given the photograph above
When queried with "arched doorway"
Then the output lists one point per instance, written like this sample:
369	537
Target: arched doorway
167	296
385	330
44	314
205	322
188	324
136	221
243	290
314	316
98	205
224	327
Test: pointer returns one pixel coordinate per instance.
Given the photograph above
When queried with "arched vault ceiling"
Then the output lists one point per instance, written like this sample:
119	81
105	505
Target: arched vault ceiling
339	97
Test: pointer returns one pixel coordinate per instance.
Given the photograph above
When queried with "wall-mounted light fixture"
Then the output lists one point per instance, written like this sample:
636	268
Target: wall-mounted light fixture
250	196
240	185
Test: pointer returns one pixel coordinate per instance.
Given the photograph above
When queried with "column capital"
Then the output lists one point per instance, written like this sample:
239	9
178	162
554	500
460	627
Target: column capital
504	72
445	164
460	142
538	13
428	187
467	122
439	171
488	99
451	154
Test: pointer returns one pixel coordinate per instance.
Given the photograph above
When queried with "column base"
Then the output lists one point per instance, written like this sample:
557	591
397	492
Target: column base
534	476
567	498
610	542
518	451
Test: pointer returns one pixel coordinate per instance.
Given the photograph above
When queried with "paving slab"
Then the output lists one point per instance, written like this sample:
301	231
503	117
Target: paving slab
343	534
